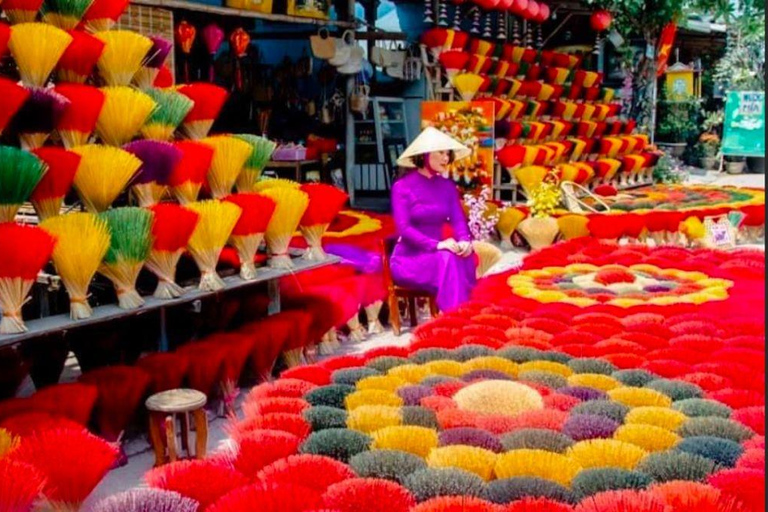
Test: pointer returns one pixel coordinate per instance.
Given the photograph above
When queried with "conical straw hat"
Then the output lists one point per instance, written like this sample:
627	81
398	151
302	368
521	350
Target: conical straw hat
429	141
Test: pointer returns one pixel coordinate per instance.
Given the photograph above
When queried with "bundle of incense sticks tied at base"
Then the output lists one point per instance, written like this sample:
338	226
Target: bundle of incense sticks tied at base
257	210
290	206
159	159
49	194
189	175
325	203
172	228
217	220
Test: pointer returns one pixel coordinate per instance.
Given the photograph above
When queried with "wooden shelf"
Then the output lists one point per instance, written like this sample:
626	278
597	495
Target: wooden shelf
101	314
242	13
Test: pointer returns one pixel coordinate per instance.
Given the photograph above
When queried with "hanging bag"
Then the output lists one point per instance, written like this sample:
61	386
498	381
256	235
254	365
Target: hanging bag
360	98
322	44
343	49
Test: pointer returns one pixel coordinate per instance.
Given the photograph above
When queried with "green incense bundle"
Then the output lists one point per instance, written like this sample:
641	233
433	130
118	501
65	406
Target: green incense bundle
65	14
130	243
20	172
172	108
260	156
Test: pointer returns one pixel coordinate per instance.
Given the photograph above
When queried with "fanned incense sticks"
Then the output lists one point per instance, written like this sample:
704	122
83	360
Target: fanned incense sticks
229	157
209	99
217	220
159	159
260	156
80	57
172	108
104	173
172	228
79	119
36	48
39	117
291	204
103	14
250	228
124	112
12	98
65	14
145	76
22	11
188	177
124	53
325	203
20	172
57	181
82	240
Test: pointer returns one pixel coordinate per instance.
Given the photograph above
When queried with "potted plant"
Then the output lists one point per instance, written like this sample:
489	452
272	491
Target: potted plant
540	228
709	146
735	165
678	126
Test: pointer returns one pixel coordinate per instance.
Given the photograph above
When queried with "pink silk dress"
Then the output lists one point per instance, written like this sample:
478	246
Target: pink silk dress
421	207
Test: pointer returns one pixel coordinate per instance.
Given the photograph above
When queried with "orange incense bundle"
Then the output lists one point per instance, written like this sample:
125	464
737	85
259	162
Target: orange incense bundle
56	183
190	173
79	119
209	99
80	57
250	228
12	97
103	14
171	231
325	203
24	250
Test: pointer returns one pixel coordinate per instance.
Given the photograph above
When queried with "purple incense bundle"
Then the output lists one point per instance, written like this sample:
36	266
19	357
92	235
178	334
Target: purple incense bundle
159	159
156	57
147	500
38	117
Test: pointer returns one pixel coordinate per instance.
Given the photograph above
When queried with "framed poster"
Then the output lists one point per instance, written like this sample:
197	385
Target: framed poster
744	129
471	123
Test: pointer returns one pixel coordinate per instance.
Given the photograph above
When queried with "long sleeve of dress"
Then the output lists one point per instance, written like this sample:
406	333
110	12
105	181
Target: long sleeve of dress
405	229
459	219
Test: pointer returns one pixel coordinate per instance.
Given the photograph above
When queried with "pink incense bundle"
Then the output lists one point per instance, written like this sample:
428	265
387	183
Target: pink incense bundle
159	159
171	231
80	57
209	99
56	182
190	173
12	97
24	250
72	462
103	14
325	203
250	228
79	119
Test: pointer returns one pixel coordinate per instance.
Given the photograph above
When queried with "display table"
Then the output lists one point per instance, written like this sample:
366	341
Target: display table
101	314
297	166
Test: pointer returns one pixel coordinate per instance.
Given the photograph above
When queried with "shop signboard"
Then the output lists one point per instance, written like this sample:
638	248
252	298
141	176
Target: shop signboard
744	129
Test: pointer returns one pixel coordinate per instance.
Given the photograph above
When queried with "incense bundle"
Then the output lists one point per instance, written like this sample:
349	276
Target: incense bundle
80	57
104	173
488	255
21	11
189	175
509	218
172	108
268	183
39	117
124	112
103	14
24	250
12	97
257	210
217	220
65	14
20	172
156	57
82	240
159	159
290	206
50	192
260	156
209	99
325	203
36	48
129	246
79	119
229	157
5	35
124	53
171	231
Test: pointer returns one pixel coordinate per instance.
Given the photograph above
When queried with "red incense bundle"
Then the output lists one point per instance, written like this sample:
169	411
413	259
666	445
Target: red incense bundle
190	173
12	97
250	228
5	35
79	119
56	183
80	57
209	99
103	14
24	250
171	232
325	203
21	11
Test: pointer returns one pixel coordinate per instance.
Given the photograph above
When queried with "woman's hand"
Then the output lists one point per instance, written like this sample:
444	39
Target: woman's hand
465	249
449	244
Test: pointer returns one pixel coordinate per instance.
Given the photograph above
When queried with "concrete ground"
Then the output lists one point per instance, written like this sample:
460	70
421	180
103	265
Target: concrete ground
142	459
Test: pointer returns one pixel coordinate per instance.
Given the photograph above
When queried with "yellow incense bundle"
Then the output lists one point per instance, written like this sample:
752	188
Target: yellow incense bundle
268	183
37	48
104	172
487	254
124	112
216	221
509	218
82	241
290	207
124	53
229	157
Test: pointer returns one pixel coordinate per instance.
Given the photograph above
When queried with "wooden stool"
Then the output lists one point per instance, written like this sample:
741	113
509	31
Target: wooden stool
163	409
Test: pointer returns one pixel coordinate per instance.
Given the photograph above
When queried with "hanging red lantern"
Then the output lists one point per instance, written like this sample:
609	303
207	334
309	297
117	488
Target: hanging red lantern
185	36
519	7
544	13
505	5
240	40
488	5
532	11
601	20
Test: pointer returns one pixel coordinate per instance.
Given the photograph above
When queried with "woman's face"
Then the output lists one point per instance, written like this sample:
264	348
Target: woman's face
438	162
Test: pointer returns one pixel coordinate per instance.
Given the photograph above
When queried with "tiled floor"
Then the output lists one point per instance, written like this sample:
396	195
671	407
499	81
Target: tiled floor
142	459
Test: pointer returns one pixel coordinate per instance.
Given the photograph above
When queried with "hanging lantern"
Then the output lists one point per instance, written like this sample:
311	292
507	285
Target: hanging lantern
213	37
600	21
185	34
240	41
